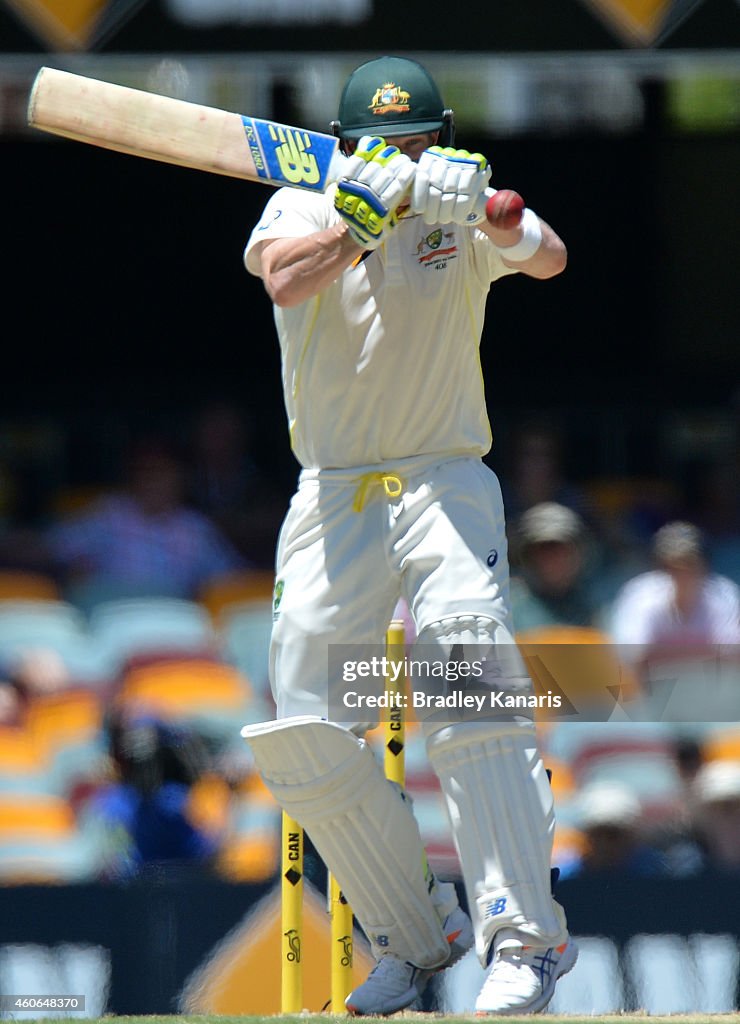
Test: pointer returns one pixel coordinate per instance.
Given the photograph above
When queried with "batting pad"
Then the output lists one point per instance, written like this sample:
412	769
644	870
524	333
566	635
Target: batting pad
501	811
362	827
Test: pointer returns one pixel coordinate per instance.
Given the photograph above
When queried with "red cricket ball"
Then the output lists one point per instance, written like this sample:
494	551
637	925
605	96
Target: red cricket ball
504	209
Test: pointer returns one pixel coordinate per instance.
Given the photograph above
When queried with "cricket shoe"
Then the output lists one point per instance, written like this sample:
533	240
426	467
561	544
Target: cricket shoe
522	979
393	984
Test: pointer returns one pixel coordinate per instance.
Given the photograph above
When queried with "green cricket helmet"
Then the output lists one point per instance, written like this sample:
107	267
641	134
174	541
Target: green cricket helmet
392	96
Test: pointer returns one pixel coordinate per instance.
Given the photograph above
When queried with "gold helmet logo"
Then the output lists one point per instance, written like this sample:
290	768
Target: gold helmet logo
390	99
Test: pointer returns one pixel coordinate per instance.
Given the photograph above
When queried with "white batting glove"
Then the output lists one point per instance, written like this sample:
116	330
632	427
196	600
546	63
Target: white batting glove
376	179
448	184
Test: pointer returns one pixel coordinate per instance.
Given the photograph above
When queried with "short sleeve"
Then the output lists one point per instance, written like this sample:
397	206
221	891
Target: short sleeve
289	213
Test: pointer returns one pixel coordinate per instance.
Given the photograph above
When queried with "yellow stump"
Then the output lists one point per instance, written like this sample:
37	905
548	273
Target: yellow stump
341	946
394	739
291	991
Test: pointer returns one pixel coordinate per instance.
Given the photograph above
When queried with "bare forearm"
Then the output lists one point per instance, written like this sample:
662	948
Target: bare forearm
549	260
297	269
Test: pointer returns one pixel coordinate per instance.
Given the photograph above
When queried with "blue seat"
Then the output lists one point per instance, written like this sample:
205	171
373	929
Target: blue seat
244	633
131	627
54	625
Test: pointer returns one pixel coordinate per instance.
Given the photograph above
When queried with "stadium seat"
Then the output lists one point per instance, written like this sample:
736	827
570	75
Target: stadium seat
209	696
60	719
222	593
68	728
42	816
579	663
126	628
637	754
17	584
722	744
209	802
40	842
88	594
24	768
244	632
53	625
251	848
569	844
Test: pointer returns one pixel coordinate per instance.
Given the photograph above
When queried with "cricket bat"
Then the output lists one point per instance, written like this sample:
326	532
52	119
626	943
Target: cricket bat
175	131
178	132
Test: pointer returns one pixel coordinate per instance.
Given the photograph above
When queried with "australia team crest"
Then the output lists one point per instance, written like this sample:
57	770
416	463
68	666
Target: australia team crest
436	249
390	99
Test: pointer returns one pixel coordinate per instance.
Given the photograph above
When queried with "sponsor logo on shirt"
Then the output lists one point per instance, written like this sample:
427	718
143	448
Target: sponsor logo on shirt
436	249
264	225
277	596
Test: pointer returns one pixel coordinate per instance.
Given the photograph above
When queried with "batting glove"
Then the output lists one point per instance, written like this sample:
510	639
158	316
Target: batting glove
376	179
448	184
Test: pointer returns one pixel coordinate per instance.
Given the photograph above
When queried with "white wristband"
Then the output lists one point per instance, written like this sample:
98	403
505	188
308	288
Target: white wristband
529	243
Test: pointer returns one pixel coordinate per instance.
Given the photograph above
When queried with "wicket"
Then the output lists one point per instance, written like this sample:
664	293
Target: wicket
291	872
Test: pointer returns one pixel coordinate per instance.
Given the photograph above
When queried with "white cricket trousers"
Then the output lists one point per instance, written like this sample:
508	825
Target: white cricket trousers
428	529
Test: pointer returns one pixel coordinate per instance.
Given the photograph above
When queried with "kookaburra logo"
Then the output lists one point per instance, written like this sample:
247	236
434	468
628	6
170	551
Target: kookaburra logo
294	946
346	960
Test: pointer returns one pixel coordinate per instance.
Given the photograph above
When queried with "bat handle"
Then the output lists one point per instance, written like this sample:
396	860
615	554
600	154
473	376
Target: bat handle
336	165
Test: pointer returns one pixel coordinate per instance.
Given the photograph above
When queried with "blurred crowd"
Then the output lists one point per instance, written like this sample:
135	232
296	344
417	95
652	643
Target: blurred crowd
135	619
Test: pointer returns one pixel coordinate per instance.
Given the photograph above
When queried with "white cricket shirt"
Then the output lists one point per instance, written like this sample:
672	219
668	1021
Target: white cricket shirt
384	364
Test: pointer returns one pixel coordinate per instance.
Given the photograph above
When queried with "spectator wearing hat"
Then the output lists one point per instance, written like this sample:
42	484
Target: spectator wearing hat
680	603
716	814
608	814
550	585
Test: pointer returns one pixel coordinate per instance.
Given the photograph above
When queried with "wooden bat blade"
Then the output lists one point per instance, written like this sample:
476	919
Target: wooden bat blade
178	132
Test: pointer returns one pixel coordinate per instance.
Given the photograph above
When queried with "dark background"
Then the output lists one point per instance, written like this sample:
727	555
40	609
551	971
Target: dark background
530	25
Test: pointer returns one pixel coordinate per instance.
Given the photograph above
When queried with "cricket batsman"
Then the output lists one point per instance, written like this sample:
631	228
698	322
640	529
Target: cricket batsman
379	289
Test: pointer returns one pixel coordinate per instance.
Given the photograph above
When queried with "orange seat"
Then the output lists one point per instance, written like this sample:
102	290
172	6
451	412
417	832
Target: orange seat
579	663
180	688
562	781
249	858
723	745
35	816
18	584
59	719
251	848
208	803
568	842
236	588
40	842
20	751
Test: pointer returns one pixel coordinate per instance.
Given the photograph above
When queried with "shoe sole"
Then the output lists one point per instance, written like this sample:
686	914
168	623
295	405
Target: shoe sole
400	1004
564	965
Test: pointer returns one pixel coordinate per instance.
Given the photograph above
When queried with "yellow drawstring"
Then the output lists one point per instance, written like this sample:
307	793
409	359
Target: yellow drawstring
392	485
